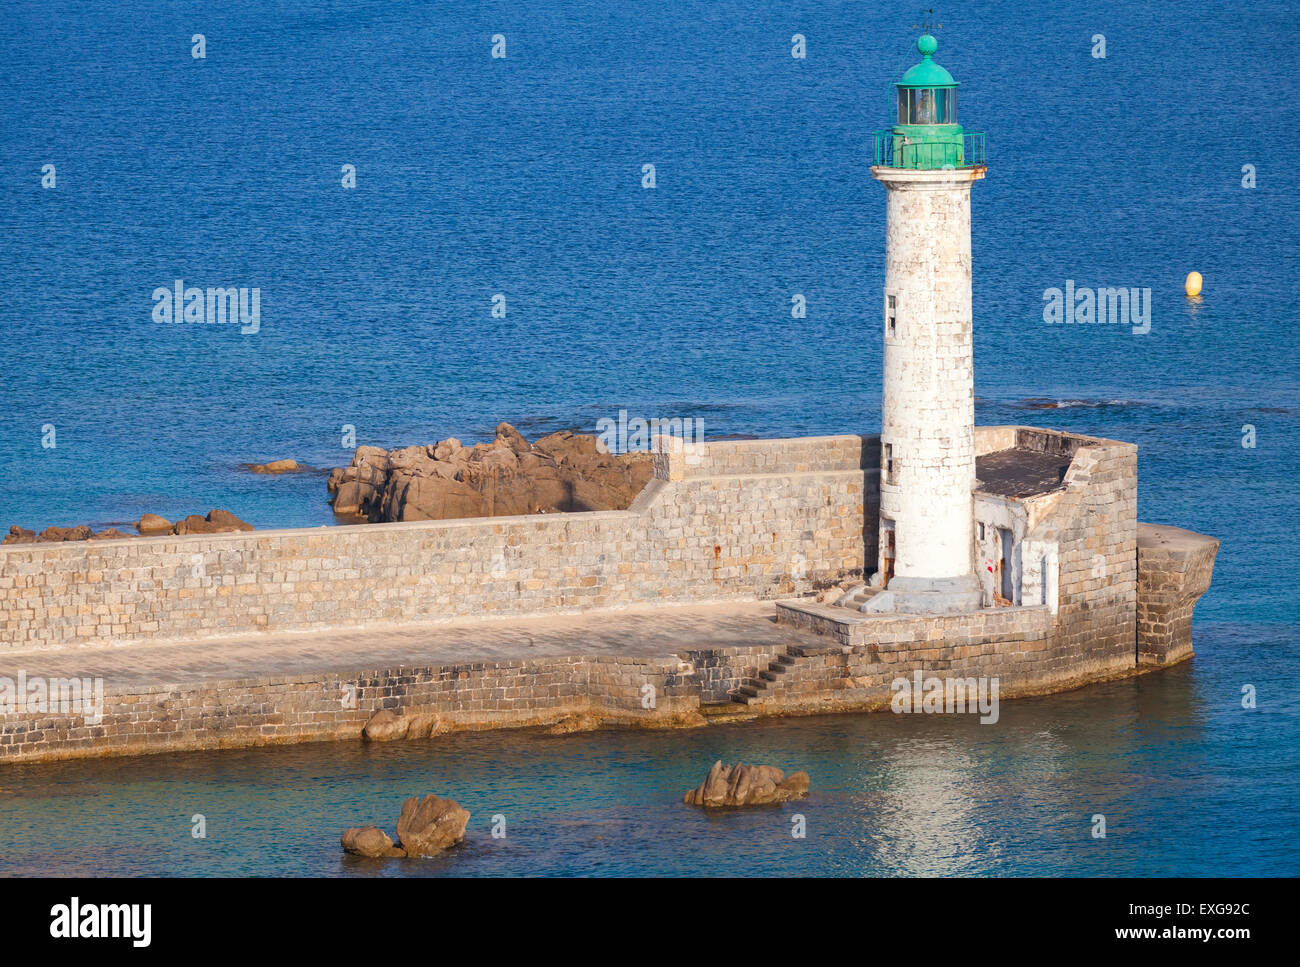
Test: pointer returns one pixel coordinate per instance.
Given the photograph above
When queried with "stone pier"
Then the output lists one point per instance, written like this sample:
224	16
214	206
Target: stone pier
663	615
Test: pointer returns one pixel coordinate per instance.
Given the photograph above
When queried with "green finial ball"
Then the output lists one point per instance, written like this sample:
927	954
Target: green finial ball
927	45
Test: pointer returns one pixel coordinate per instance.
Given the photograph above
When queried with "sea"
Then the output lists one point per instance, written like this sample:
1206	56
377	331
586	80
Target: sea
506	254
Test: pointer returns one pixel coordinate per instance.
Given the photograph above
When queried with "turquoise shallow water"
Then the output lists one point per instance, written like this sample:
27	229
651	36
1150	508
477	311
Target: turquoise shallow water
522	177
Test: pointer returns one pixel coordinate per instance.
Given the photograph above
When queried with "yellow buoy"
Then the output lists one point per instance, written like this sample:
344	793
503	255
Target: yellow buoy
1193	284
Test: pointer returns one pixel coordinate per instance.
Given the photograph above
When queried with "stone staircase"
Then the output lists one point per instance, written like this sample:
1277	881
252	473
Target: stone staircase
756	689
856	597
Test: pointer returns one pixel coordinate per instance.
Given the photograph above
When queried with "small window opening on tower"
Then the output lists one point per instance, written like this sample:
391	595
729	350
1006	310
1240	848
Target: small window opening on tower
889	463
891	315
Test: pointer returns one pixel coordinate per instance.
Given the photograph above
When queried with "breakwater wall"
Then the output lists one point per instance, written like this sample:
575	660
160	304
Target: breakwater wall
736	519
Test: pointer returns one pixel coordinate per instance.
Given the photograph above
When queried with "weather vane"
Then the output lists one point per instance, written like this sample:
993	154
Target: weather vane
929	12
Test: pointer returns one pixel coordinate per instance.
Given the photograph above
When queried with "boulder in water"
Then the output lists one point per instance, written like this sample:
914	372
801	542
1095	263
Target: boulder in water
369	841
430	825
742	785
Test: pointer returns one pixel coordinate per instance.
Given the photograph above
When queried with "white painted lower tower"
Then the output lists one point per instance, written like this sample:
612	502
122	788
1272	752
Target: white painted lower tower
927	474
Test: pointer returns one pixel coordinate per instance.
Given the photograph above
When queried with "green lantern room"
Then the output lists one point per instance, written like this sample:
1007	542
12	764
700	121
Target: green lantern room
927	134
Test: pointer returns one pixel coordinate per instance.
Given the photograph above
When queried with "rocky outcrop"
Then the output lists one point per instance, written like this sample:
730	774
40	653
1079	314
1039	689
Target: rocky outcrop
562	472
153	524
430	825
150	525
425	827
217	522
21	535
742	785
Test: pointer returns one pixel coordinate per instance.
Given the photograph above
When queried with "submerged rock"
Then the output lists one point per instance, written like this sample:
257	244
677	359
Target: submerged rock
742	785
561	472
275	467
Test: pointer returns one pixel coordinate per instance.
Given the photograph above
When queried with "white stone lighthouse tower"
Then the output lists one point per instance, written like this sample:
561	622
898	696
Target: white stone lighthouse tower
927	164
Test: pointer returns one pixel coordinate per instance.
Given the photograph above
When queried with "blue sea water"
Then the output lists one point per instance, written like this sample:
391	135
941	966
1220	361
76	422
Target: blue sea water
522	176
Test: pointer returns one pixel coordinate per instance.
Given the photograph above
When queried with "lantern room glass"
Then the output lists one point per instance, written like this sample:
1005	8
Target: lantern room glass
927	105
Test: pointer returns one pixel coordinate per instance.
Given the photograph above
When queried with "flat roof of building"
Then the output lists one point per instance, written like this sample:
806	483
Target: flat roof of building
1019	473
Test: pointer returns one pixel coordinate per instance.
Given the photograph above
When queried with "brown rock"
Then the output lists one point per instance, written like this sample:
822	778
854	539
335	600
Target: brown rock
742	785
418	497
574	723
227	521
561	472
19	535
386	726
276	467
366	841
350	496
430	825
684	719
193	524
512	438
112	534
153	524
796	785
450	450
217	522
79	533
423	726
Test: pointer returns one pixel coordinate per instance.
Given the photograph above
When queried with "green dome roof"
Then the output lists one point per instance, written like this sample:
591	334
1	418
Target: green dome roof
927	73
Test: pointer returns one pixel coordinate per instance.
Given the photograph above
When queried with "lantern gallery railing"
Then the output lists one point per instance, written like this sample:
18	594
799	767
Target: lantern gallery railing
889	149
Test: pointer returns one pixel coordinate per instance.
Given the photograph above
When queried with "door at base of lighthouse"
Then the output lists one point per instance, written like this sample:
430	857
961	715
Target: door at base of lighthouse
1006	544
887	552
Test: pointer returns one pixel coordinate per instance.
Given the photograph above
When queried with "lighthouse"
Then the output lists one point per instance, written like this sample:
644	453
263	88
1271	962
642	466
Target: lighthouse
927	164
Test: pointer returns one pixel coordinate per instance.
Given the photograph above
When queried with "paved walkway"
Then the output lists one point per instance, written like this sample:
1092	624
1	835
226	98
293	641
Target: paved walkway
657	631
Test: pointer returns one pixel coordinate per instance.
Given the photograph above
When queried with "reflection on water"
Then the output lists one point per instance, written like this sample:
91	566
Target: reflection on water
1189	783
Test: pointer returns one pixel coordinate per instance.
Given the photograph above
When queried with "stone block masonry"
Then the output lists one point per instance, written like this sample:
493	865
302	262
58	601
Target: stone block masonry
735	523
857	658
928	404
1091	533
729	520
1174	569
272	710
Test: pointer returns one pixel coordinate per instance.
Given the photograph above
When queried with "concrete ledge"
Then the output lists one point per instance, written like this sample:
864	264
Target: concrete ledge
893	631
911	595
